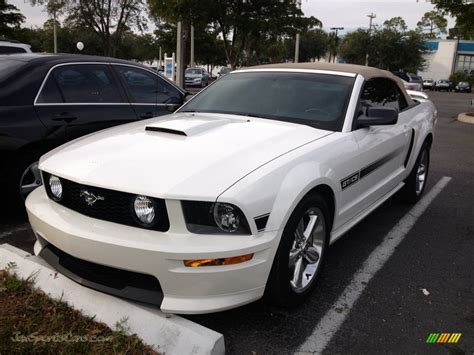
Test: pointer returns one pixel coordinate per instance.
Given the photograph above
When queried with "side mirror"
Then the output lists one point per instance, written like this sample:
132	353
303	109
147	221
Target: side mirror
378	116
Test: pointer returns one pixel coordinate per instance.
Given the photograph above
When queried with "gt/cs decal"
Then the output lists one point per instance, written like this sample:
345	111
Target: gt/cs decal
350	180
369	169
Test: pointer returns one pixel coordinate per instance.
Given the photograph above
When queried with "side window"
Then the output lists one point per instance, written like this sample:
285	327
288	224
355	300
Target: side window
11	50
81	83
50	92
147	88
380	92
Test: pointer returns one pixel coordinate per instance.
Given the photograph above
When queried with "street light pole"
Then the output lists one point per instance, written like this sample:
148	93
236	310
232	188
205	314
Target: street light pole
335	48
179	55
191	64
371	16
55	36
297	40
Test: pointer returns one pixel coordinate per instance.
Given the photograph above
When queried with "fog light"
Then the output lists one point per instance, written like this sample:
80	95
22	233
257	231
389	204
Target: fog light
144	210
221	261
56	187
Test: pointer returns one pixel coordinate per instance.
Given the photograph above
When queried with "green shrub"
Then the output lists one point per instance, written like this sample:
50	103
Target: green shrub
462	76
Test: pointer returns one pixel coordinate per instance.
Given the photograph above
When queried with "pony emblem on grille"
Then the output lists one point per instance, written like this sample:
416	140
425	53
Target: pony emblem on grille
90	198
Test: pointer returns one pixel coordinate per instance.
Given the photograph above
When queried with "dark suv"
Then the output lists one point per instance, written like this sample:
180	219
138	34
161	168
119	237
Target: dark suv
48	100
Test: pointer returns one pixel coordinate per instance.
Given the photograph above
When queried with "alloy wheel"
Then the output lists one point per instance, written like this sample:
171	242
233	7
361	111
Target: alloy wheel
305	254
30	180
421	172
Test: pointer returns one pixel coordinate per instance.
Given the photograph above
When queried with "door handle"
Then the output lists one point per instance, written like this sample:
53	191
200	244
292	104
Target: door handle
146	115
64	116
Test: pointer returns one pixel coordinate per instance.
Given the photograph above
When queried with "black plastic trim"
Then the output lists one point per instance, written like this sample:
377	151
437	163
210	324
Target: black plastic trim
165	130
410	147
261	221
117	282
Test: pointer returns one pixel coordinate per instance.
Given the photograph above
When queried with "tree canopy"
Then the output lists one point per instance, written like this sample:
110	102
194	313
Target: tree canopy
432	24
391	47
463	11
243	25
10	17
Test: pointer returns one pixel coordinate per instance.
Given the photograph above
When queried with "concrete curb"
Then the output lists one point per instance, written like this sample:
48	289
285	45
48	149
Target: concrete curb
463	117
166	333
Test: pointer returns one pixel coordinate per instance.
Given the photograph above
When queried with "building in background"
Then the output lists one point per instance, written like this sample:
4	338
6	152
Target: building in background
447	56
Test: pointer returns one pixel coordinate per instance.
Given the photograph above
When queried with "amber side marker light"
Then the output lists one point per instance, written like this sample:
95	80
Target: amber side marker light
222	261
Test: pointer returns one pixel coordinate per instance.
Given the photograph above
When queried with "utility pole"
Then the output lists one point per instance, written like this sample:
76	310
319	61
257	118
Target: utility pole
371	16
335	47
297	40
191	64
179	55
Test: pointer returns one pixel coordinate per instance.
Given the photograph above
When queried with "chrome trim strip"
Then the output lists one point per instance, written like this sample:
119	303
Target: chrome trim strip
102	103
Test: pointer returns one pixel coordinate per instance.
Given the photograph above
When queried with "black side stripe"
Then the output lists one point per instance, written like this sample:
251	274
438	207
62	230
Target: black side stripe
358	175
410	147
261	221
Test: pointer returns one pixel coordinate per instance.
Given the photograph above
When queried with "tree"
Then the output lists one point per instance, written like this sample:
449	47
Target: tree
463	11
390	47
10	17
355	46
396	24
432	24
109	19
245	26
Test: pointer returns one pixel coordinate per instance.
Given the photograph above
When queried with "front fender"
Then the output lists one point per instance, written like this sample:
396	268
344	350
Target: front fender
277	188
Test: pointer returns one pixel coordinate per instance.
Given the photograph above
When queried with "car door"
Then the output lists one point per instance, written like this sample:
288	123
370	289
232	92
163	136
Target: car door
382	149
81	98
149	94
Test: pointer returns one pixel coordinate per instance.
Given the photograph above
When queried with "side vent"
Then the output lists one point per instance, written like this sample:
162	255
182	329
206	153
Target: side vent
410	147
261	221
165	130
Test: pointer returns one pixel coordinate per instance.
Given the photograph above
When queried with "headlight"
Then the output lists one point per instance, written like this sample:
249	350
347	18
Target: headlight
56	187
226	217
214	218
145	210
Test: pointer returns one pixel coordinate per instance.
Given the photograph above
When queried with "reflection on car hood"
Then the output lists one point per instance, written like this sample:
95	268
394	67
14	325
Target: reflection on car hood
185	155
192	76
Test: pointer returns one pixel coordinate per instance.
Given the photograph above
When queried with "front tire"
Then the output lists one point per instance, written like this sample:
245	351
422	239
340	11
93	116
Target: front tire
416	182
300	255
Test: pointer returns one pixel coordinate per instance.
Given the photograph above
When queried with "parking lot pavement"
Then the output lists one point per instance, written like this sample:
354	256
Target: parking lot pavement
393	313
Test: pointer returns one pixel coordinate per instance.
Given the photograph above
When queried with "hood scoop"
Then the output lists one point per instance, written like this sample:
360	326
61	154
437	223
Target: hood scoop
165	130
186	125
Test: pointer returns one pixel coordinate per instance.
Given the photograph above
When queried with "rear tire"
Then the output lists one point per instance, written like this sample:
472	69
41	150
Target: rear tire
301	252
415	183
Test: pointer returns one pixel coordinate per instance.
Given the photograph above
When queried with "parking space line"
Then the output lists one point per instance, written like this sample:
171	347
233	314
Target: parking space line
337	314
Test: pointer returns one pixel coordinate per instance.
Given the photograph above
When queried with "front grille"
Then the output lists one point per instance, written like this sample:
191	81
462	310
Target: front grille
121	283
115	206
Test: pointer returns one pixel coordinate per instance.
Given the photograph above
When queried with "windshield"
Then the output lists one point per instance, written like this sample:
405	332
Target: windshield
318	100
225	70
193	71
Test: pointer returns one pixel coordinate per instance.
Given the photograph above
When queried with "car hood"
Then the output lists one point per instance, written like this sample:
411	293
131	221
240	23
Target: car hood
180	156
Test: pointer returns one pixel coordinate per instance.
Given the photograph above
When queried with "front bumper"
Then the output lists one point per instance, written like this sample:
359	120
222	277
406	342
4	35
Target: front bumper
160	254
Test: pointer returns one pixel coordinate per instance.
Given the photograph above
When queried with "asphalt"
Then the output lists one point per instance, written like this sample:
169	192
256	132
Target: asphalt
392	315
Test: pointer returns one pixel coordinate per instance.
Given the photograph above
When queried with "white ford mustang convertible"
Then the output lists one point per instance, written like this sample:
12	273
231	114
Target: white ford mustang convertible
236	195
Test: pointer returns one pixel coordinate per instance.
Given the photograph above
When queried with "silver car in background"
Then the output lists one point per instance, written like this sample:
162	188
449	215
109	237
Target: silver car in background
196	77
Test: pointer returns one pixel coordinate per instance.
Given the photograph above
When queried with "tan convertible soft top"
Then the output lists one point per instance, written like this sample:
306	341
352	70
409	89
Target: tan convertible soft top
366	72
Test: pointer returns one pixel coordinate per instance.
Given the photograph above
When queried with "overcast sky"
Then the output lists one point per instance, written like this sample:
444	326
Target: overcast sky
349	14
